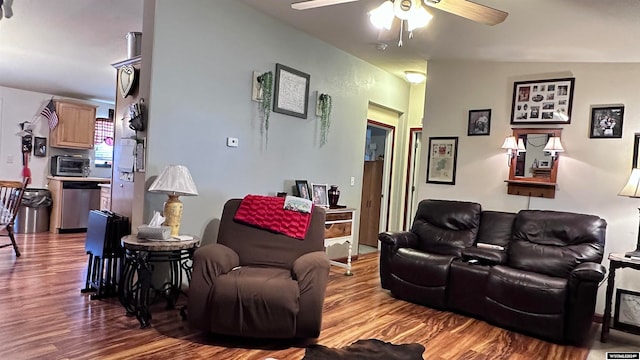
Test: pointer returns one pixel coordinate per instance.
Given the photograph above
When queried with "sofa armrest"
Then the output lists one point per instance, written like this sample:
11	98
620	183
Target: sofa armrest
311	270
396	240
485	256
589	271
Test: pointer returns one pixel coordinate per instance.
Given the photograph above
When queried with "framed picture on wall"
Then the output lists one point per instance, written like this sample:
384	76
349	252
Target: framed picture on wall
441	161
636	155
479	122
606	122
542	101
291	92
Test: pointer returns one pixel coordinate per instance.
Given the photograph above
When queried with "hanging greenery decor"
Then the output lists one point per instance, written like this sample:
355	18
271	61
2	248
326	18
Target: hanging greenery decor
324	103
266	81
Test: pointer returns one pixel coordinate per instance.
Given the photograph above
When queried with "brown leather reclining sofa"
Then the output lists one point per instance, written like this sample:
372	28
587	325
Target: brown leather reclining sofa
536	271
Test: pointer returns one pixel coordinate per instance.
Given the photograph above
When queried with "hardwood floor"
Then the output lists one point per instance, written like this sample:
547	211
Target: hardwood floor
44	316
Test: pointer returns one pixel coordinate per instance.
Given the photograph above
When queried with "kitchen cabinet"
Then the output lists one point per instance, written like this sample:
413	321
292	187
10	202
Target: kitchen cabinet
76	126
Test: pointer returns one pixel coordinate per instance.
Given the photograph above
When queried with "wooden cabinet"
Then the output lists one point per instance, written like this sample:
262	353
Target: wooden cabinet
76	126
338	229
371	202
105	197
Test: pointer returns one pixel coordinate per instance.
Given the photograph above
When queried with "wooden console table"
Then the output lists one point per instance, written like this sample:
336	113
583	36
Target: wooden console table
338	229
616	261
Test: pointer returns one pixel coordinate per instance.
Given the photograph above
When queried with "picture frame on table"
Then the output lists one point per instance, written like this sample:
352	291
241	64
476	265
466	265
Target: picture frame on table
606	121
479	122
302	188
441	160
291	92
627	312
542	102
320	195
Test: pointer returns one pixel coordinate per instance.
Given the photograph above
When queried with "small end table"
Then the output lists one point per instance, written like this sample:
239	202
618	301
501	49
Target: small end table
137	292
616	261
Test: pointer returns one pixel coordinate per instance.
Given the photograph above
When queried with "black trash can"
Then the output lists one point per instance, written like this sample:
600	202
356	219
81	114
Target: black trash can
34	211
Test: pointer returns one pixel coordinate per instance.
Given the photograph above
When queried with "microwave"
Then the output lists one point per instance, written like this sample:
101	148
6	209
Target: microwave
69	166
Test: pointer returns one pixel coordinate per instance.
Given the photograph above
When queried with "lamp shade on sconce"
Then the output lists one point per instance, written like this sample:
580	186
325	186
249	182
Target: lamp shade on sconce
554	145
521	147
175	181
509	143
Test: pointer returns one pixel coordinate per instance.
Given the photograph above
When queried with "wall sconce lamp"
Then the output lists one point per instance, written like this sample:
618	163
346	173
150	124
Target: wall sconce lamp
175	181
554	146
511	146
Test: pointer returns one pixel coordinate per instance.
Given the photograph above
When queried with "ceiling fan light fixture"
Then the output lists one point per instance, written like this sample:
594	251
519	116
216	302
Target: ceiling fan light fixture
415	77
418	18
382	16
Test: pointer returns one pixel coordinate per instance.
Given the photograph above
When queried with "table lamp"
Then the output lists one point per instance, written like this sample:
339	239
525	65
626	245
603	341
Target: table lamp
632	189
175	180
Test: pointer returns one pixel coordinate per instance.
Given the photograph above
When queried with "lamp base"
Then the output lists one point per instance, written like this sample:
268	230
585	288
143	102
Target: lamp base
173	214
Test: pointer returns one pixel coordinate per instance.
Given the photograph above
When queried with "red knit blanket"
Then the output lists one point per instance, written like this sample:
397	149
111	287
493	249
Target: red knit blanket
266	212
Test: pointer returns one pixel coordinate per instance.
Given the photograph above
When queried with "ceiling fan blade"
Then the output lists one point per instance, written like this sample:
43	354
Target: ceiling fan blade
470	10
311	4
386	36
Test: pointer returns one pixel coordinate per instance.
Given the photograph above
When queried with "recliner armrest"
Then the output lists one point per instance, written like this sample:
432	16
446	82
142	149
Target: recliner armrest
311	270
402	239
216	259
589	271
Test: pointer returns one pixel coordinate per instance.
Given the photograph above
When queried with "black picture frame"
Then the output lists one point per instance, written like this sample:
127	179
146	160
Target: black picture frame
302	189
635	162
40	146
479	122
441	160
627	312
542	102
606	121
291	92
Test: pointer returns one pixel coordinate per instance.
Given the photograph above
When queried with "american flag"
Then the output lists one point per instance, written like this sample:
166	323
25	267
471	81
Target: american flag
49	112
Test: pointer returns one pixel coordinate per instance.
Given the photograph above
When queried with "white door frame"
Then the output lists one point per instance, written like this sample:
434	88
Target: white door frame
415	143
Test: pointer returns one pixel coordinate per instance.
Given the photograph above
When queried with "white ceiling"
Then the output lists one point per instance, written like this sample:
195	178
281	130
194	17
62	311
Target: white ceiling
66	47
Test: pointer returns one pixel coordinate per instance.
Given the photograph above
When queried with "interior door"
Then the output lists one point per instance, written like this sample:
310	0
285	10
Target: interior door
371	202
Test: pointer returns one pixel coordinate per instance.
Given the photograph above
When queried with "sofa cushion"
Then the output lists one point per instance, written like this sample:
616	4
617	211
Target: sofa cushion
446	227
420	268
496	227
554	243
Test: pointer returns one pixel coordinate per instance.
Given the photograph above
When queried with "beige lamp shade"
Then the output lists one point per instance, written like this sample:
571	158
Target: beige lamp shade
174	180
554	145
632	188
521	147
510	143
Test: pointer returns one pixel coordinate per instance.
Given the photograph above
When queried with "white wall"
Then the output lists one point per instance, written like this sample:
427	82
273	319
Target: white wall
17	106
204	53
591	172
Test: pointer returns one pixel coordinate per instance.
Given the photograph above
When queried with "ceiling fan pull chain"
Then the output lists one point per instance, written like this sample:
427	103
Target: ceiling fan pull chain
401	28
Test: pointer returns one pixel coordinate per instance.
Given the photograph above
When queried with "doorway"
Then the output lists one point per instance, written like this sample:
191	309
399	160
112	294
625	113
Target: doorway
376	183
415	143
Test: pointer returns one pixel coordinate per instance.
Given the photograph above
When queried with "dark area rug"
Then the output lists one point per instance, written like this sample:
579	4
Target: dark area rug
371	349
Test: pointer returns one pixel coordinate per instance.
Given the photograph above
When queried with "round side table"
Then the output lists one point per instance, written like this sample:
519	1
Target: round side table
136	288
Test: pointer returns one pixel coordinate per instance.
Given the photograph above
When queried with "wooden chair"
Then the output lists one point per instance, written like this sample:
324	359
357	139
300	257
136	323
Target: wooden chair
10	198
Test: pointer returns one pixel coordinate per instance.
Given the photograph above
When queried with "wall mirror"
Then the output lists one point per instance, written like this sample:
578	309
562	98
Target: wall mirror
533	172
535	164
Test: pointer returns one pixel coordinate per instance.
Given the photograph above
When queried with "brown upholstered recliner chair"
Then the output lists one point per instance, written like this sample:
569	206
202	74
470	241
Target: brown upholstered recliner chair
257	283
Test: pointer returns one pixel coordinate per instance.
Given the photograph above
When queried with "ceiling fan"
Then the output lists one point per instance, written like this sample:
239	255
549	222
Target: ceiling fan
412	10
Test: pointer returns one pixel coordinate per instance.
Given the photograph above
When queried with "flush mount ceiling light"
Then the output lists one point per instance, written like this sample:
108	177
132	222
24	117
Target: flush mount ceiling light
409	11
415	77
